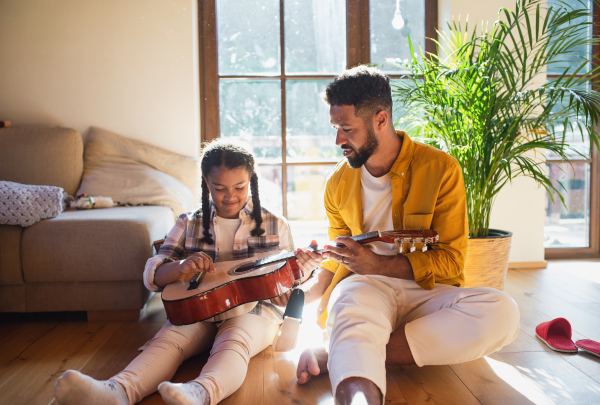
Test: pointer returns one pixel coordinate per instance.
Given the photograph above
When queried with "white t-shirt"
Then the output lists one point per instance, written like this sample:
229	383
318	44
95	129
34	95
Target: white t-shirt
227	229
376	193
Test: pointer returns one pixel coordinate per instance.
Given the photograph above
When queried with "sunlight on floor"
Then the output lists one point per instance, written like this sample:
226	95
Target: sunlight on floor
310	334
537	385
523	380
587	270
326	401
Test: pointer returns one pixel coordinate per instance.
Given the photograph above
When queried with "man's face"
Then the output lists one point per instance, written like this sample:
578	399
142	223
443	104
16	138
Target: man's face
356	138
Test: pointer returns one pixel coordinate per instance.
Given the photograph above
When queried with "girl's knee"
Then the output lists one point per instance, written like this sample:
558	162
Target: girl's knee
233	338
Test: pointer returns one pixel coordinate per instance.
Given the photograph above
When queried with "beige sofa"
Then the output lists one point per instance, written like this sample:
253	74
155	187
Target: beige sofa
88	260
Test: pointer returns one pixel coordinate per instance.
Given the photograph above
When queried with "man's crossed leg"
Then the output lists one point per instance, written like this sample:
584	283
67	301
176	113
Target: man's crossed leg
446	325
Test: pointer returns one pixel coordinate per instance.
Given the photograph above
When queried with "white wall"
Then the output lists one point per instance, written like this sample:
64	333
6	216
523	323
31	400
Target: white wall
127	66
520	207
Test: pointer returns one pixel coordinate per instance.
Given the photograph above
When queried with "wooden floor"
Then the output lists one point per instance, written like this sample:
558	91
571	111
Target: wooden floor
36	351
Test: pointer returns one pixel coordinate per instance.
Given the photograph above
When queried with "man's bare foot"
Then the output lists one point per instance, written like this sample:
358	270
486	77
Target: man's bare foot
312	362
183	394
74	388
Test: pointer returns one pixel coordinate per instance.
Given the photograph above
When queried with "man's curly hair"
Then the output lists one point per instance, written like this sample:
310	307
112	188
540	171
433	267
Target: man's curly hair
366	88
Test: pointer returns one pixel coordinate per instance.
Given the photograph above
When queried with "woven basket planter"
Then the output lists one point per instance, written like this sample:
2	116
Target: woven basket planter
487	260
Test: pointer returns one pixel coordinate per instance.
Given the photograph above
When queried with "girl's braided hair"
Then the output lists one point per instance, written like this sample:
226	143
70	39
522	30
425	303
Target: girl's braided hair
220	153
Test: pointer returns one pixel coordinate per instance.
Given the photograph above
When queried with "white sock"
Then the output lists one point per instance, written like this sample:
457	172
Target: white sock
183	394
74	388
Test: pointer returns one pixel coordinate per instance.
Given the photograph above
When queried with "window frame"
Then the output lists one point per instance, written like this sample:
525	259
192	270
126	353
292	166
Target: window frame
357	52
593	250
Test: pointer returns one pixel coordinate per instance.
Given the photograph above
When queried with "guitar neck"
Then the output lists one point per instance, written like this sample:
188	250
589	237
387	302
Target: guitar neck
401	237
362	238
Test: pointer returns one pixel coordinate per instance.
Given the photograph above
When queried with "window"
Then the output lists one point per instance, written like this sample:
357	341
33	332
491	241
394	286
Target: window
264	64
573	231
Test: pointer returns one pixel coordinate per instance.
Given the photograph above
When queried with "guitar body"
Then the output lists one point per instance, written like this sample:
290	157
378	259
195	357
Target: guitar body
196	297
234	283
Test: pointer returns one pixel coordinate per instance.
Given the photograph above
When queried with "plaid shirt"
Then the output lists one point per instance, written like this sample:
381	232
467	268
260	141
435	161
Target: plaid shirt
185	239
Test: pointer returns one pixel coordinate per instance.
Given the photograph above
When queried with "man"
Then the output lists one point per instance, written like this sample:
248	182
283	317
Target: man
395	308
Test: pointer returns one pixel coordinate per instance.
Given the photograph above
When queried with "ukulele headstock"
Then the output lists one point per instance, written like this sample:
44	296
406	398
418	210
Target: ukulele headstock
412	237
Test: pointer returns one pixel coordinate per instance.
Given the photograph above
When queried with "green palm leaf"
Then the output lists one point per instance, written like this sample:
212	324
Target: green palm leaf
478	99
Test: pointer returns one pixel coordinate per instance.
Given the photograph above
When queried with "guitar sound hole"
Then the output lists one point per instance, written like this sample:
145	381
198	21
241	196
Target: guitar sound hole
242	268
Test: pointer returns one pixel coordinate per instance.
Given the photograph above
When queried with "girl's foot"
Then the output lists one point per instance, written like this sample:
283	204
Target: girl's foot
312	362
74	388
184	394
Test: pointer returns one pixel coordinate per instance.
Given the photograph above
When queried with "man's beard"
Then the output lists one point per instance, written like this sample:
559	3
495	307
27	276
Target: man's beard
361	156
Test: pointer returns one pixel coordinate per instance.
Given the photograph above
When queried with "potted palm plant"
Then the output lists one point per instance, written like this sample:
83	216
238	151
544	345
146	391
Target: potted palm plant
479	99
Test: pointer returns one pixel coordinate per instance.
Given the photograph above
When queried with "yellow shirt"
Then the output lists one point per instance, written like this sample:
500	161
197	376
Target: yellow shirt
428	192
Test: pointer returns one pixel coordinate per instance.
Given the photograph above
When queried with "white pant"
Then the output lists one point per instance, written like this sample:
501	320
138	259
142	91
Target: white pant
446	325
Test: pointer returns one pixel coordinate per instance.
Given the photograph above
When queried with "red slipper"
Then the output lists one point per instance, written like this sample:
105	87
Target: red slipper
557	335
589	346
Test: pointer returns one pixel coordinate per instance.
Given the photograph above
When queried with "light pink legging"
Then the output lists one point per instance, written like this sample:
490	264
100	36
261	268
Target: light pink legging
235	341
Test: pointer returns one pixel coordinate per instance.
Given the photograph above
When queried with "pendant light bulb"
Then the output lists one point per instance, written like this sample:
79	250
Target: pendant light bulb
398	21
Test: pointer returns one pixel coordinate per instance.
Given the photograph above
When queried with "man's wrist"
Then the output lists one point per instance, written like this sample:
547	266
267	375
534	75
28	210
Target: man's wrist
386	266
397	266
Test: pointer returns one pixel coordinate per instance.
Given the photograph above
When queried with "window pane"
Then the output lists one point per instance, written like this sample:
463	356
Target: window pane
306	212
315	36
399	111
572	136
309	135
306	185
269	186
389	40
251	111
578	53
248	37
304	232
568	227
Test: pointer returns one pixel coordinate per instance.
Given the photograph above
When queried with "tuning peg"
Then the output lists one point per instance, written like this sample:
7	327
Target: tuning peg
400	246
412	246
424	248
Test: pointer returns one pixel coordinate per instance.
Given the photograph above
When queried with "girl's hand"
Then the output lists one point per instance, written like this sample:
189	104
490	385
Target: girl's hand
197	263
308	260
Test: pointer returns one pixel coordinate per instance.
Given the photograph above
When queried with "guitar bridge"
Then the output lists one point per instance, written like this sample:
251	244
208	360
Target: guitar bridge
196	280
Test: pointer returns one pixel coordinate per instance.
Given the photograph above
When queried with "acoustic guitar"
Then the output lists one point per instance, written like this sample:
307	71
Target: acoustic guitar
199	296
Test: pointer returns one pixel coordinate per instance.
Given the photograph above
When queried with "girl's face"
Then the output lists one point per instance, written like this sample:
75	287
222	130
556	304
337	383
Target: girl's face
229	189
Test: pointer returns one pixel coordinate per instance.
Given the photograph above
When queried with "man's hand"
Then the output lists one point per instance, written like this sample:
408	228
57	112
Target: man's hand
356	257
197	263
362	260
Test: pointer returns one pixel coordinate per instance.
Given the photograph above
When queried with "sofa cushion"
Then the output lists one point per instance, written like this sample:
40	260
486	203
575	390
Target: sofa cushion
12	298
42	157
11	272
109	244
96	296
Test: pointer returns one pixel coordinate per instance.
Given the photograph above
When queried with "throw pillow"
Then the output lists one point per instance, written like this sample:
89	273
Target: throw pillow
136	173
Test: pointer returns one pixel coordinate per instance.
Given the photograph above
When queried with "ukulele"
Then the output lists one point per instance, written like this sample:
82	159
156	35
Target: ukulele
199	296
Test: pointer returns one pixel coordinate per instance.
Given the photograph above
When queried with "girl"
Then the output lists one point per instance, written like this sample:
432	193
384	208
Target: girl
230	226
